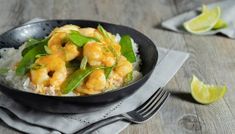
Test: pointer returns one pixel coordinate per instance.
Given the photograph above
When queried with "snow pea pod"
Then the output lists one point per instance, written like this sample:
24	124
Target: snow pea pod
128	78
31	43
29	58
107	71
75	79
103	31
126	48
83	63
79	39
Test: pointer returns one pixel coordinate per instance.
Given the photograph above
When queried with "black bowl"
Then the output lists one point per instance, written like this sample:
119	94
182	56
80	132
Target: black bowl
74	104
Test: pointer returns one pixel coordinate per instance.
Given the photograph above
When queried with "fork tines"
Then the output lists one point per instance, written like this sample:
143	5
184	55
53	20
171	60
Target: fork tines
153	104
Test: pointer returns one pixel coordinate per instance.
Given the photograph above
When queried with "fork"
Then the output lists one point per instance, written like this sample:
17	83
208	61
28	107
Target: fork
139	115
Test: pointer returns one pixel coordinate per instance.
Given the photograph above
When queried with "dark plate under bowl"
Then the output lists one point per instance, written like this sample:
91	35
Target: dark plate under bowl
77	104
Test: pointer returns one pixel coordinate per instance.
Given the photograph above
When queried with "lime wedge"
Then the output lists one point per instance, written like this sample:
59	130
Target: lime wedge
219	24
206	94
204	22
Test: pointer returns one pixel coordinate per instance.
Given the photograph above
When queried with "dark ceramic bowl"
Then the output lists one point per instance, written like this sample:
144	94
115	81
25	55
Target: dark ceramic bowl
74	104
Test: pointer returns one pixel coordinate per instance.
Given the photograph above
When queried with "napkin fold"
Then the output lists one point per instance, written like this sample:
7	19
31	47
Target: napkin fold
227	14
31	121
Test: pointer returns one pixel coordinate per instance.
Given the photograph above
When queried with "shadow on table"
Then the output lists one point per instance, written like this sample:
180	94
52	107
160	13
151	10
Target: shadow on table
183	31
183	96
159	26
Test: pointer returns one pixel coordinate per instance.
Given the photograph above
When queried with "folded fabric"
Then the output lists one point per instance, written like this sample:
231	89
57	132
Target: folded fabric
227	14
31	121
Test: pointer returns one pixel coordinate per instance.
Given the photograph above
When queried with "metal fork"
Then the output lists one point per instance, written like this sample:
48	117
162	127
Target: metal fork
139	115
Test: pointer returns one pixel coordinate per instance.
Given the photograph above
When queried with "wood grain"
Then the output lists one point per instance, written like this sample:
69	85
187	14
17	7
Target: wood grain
212	57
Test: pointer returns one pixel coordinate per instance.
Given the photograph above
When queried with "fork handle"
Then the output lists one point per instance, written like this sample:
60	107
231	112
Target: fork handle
94	126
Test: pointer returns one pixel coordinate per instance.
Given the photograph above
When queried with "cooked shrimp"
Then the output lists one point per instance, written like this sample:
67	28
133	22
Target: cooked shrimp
71	51
97	56
91	32
83	90
114	81
65	29
96	80
58	45
123	67
52	71
93	52
40	76
87	31
117	48
108	59
112	46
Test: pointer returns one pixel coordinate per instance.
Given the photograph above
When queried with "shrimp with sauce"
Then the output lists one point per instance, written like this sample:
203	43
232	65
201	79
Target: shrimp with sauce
84	61
51	71
59	45
95	83
123	67
65	29
97	56
96	80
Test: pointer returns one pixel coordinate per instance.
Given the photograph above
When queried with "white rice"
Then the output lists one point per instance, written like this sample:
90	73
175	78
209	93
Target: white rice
9	57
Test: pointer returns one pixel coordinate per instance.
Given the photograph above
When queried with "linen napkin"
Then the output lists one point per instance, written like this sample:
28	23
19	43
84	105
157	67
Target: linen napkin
32	121
227	14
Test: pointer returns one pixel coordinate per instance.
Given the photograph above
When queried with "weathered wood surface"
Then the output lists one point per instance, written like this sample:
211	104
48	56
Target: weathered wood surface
212	57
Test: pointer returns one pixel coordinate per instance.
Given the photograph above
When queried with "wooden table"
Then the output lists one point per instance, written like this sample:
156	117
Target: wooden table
212	57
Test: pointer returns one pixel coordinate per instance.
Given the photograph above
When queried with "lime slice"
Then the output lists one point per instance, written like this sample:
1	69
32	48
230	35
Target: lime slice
219	24
204	22
206	94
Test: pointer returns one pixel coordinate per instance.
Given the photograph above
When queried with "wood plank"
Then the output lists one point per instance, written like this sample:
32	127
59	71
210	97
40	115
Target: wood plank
16	12
207	53
177	116
205	58
192	122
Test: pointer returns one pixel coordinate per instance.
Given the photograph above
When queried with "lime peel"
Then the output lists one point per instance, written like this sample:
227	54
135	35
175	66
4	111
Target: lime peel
204	22
206	94
219	24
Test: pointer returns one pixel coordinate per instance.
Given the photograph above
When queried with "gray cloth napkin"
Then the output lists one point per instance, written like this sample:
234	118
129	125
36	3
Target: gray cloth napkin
36	122
227	14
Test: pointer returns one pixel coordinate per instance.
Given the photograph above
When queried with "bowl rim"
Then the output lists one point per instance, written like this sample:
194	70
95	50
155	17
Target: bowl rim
93	21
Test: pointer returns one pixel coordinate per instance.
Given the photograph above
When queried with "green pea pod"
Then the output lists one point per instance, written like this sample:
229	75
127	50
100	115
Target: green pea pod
47	49
83	63
128	78
29	58
79	39
75	79
31	43
107	71
103	31
126	48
